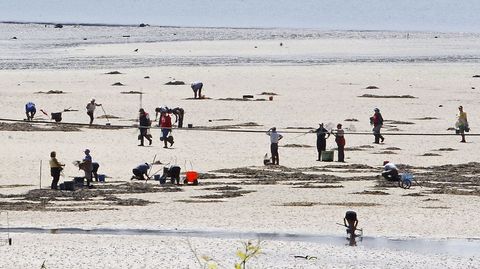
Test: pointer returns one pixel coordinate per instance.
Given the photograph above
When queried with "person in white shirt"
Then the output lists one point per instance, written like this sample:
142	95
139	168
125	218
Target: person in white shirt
91	108
274	138
340	140
390	171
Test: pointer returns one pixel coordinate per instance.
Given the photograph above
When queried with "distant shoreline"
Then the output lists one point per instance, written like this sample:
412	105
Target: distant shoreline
153	25
217	27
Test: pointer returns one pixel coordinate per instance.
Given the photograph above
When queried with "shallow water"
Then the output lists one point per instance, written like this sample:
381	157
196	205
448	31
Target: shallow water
455	247
37	46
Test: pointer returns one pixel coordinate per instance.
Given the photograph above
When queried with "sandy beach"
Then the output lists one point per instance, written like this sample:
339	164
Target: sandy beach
311	80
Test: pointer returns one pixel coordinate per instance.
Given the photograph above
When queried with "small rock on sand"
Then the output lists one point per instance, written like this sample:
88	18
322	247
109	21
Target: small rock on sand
118	84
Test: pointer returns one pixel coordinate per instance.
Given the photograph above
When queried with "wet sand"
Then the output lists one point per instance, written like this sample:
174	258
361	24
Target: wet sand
236	193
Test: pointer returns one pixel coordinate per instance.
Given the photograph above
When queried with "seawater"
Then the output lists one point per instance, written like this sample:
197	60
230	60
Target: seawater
38	46
455	247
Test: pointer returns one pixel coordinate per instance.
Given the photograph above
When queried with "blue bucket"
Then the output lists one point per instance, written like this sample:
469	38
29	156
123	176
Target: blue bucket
101	178
156	177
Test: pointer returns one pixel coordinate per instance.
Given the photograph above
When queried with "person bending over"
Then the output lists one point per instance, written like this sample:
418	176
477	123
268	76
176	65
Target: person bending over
30	110
350	221
390	171
140	172
197	87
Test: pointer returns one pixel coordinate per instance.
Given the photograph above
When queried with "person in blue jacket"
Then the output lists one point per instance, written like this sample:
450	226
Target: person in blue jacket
140	172
30	110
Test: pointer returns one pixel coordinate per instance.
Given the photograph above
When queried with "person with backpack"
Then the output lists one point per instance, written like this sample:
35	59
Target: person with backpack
144	127
377	121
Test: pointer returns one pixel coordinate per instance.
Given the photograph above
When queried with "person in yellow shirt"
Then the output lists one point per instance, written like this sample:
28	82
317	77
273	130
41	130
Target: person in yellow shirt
462	123
55	168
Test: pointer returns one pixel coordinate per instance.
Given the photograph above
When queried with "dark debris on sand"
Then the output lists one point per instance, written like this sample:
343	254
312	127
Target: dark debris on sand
367	95
27	127
102	197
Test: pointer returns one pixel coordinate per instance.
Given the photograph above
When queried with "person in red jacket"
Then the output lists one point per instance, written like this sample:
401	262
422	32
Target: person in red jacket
166	127
377	121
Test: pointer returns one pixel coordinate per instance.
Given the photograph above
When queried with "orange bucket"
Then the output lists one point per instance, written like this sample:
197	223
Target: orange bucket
191	176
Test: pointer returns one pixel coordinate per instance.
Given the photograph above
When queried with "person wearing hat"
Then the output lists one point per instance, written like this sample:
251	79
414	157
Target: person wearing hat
377	121
462	123
91	108
322	136
340	140
55	169
144	126
274	138
87	167
140	172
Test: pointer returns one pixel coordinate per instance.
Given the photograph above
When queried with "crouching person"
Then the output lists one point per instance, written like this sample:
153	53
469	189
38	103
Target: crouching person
172	172
140	172
390	171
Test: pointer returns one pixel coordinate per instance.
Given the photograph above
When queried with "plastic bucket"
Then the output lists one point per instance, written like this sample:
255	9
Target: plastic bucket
101	178
57	116
191	176
327	156
156	177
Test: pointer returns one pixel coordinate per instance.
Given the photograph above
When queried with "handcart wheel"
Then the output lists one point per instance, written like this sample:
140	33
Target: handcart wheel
406	184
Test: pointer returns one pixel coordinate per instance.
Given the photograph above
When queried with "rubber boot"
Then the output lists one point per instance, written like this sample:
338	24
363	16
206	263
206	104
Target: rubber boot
377	139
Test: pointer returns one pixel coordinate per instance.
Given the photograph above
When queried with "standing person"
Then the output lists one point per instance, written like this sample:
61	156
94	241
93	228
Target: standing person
197	87
377	121
55	168
91	108
166	128
87	167
30	110
340	140
144	126
462	123
274	138
321	139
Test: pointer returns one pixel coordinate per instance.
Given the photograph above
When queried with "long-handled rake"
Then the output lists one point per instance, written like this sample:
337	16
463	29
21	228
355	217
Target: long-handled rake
106	116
